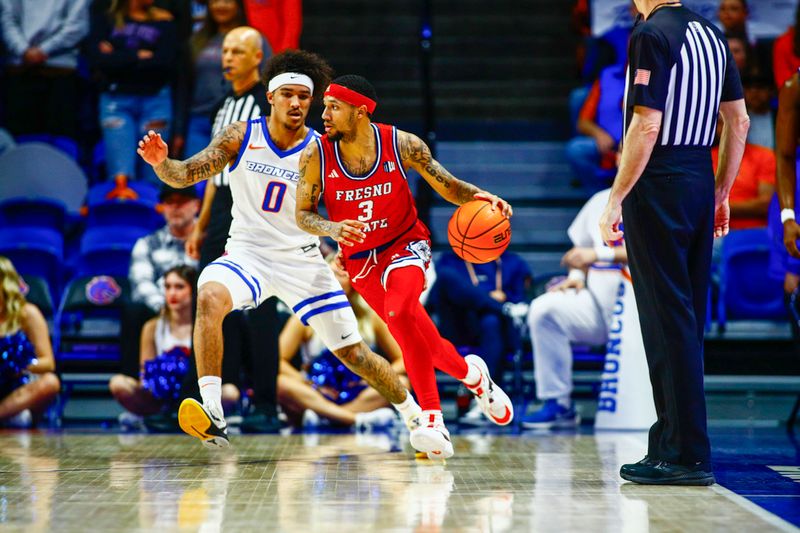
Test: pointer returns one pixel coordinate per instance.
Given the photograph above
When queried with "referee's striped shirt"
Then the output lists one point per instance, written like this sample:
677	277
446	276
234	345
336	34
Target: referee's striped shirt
243	107
680	64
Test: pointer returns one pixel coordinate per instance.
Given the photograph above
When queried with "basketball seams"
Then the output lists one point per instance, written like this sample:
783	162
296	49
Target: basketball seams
462	242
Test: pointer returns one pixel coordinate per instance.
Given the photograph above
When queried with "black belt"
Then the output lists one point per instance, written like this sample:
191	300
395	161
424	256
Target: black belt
378	249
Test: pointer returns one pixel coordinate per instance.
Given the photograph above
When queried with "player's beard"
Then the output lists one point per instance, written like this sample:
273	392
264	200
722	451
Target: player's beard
293	127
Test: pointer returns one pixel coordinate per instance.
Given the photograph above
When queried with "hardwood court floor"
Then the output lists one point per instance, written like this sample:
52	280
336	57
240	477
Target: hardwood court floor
354	482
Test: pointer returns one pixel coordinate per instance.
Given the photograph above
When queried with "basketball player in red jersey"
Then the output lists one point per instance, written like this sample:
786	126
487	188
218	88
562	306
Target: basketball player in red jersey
359	168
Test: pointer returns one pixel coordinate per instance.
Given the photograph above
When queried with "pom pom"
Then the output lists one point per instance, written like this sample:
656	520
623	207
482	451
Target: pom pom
334	380
16	354
163	376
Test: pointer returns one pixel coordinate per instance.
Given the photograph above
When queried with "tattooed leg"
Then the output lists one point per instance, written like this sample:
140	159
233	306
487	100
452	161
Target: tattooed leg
374	369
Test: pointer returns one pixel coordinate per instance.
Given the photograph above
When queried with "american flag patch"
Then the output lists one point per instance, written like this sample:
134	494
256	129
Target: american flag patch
389	166
642	77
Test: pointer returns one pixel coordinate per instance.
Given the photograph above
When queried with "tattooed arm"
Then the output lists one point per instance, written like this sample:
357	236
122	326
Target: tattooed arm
206	163
306	214
415	154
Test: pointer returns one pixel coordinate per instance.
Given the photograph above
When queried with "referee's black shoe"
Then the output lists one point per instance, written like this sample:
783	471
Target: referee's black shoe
652	472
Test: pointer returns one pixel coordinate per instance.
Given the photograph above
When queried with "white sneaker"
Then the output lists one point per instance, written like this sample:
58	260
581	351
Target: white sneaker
21	420
310	419
413	420
205	423
432	436
494	403
130	422
379	418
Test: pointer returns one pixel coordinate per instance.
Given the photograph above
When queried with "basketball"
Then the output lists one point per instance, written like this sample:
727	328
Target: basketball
478	234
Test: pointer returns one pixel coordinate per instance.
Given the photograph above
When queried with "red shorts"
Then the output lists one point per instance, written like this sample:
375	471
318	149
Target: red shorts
412	248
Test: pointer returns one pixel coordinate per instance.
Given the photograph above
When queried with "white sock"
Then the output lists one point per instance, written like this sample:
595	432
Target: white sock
473	376
408	407
211	390
564	401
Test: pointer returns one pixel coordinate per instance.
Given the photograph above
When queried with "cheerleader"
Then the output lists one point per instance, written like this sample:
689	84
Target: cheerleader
28	383
166	344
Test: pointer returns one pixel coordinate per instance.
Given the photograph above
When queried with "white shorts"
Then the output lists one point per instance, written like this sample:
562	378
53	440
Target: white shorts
300	277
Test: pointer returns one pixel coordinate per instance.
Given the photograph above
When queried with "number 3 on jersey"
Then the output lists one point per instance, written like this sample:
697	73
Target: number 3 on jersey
367	207
273	197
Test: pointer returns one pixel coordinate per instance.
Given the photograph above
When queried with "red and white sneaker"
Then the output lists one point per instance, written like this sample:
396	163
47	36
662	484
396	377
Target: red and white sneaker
494	403
432	437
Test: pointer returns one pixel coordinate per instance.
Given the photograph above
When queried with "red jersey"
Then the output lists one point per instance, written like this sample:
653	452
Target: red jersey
381	198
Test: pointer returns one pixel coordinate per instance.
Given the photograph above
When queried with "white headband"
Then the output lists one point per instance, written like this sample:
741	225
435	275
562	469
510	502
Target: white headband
290	78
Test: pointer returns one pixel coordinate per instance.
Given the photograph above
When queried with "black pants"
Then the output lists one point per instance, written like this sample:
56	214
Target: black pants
668	223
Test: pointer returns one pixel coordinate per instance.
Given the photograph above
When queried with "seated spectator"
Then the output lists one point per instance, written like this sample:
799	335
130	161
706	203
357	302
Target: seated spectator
160	337
733	17
208	86
41	44
593	153
786	53
324	386
133	47
753	189
153	255
28	383
758	95
576	310
477	306
740	50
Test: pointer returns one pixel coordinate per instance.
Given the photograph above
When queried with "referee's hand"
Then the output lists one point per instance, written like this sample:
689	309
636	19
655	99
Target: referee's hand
722	219
609	223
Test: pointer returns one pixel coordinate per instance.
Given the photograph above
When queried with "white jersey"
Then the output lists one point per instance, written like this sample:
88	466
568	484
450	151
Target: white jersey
263	182
603	278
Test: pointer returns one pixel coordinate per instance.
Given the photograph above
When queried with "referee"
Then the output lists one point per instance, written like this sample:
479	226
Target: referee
681	77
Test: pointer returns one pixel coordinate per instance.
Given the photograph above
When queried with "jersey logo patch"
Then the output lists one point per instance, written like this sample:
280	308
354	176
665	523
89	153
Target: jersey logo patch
642	77
333	174
251	147
389	166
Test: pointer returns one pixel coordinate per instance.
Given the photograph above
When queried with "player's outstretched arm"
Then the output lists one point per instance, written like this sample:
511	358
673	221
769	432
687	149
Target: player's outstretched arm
307	217
415	154
208	162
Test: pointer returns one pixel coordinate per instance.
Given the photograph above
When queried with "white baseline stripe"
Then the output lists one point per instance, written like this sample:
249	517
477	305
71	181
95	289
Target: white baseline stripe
771	519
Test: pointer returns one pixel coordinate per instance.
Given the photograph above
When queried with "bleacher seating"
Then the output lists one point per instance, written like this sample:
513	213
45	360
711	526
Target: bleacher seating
746	292
35	251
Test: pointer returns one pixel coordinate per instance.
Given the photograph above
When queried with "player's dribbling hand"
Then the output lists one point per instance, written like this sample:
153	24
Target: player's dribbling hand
609	223
496	202
349	232
791	232
152	148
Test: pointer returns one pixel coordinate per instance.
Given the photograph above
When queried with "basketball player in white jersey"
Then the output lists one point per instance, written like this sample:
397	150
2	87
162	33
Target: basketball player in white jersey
266	253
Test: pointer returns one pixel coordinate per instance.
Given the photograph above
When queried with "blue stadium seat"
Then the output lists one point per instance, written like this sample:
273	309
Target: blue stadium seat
745	291
37	292
116	213
87	324
34	212
107	250
35	251
148	193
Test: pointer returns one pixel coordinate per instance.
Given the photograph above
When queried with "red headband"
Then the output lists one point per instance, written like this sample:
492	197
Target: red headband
340	92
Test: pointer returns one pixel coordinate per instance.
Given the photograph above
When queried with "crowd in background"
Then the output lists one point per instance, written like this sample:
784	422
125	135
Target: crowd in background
93	77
